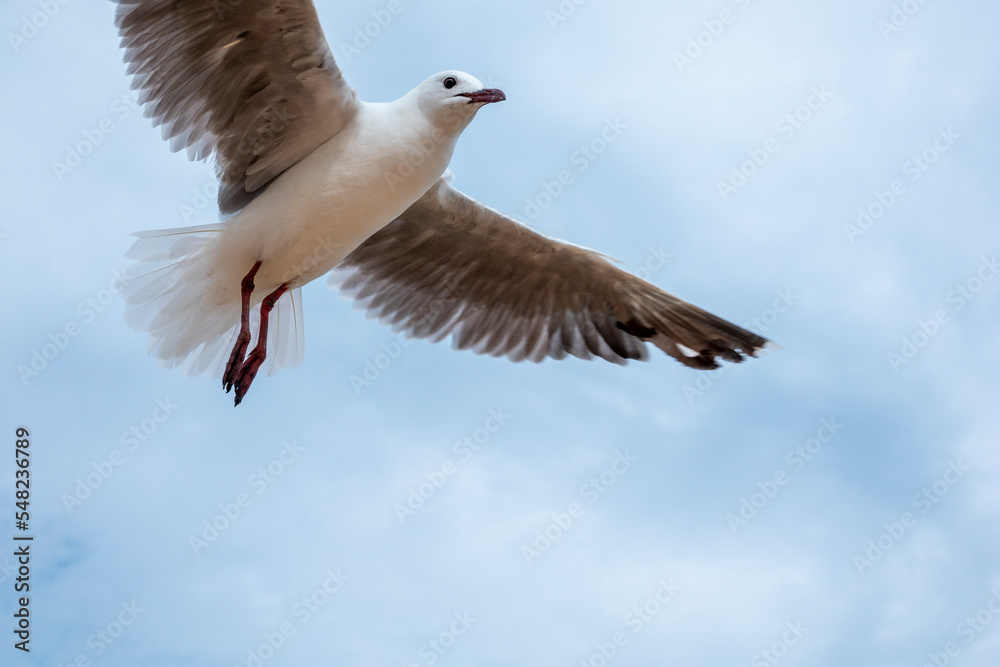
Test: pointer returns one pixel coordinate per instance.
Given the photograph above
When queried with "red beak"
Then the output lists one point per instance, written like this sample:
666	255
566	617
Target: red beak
485	96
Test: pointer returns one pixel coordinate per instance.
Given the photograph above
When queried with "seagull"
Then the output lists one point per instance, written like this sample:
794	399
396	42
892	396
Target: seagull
315	181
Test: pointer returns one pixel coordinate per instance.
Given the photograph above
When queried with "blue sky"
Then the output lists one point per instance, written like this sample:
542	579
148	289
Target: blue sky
833	503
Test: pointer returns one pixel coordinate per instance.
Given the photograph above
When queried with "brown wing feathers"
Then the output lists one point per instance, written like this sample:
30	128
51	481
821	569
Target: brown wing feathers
252	82
450	265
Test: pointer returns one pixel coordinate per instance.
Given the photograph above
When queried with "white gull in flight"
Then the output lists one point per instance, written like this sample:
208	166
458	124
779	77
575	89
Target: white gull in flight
314	180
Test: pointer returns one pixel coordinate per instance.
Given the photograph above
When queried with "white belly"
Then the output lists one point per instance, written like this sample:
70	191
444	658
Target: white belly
321	209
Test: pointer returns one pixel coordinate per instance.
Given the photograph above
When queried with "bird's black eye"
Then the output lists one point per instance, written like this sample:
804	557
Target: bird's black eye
450	82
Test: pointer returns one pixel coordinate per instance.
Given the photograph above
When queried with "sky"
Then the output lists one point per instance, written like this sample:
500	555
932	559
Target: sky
824	173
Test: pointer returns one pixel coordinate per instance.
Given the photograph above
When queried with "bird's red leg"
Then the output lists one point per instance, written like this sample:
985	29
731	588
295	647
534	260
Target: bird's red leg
257	356
243	339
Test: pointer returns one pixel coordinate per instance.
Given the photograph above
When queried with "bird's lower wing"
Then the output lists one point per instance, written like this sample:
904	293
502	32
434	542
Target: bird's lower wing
452	266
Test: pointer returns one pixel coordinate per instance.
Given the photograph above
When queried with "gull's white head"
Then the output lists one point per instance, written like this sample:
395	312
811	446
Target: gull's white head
452	98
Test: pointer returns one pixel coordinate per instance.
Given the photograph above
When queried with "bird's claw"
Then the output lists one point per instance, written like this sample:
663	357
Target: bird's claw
247	373
236	363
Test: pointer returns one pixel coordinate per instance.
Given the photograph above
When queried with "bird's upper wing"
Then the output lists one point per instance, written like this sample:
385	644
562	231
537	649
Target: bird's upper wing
252	81
450	265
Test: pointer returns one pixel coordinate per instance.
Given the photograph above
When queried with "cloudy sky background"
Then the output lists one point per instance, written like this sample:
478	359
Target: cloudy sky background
701	443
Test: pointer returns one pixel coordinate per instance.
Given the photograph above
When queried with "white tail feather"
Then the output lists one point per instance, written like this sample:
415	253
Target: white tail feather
164	292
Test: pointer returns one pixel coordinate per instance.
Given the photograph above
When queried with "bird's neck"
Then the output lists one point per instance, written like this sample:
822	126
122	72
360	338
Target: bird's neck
414	152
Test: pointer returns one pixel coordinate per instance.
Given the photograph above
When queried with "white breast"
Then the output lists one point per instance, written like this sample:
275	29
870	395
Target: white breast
325	206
